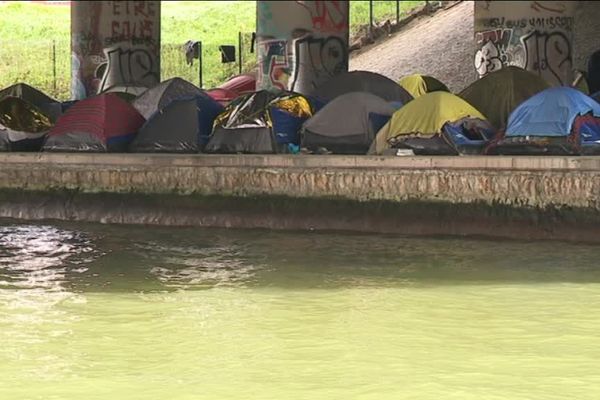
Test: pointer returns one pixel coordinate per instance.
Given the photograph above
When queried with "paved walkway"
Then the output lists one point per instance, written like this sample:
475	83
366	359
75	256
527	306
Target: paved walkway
440	45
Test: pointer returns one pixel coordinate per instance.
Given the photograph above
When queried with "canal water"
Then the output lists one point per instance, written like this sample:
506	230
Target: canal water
113	312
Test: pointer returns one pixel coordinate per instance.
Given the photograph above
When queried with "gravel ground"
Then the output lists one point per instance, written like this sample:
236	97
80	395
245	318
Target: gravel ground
440	45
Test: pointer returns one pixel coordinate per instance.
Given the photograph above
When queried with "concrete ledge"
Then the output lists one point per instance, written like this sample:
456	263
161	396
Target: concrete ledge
528	197
309	161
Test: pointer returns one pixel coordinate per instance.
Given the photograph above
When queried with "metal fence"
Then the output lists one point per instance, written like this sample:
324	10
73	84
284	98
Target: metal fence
214	66
366	14
46	64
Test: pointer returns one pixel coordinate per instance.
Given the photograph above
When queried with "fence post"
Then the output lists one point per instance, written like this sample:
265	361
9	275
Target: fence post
370	17
54	65
240	51
397	12
200	63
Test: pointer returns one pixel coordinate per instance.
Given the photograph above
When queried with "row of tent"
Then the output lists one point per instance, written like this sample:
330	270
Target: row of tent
510	111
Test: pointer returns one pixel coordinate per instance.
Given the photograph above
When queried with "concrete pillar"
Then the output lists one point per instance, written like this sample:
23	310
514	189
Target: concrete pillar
301	44
114	43
535	35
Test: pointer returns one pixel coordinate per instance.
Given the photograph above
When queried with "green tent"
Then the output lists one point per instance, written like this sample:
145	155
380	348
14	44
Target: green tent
496	95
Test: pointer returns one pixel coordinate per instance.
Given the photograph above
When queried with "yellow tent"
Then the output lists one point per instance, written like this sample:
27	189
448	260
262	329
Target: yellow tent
424	116
418	85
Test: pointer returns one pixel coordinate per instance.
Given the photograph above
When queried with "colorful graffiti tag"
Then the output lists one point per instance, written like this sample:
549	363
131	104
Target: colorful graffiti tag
535	35
274	63
327	16
301	44
115	43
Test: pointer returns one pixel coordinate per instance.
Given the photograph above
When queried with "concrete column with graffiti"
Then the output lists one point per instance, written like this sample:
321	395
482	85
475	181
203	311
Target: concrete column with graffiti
535	35
114	43
301	44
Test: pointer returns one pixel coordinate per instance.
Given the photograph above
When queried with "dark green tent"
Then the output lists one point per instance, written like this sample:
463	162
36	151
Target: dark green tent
496	95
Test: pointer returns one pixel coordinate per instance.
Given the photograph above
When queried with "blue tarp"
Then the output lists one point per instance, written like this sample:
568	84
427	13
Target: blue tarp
208	110
286	126
550	113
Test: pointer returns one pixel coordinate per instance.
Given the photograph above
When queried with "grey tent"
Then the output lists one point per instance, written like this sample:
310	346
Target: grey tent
50	107
348	124
362	81
183	126
159	96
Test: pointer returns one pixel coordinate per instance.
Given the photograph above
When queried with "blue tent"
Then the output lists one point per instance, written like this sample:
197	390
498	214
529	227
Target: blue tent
596	96
551	113
556	121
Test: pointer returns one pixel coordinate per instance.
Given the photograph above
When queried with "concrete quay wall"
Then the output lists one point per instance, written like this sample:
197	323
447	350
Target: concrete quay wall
516	197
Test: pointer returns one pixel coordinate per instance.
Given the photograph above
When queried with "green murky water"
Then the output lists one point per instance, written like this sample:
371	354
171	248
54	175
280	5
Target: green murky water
99	312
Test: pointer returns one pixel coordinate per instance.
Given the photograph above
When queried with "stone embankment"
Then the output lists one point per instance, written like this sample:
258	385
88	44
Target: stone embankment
515	197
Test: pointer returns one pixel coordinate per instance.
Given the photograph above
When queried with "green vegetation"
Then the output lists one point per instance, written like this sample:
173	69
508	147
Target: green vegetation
382	10
35	39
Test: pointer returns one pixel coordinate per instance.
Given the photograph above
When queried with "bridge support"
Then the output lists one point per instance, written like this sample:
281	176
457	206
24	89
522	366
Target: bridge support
114	43
301	44
535	35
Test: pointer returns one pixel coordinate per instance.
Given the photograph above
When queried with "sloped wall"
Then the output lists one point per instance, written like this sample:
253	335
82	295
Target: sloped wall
587	32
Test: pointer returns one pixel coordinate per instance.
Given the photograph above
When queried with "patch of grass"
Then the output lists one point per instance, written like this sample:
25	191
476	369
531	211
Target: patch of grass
382	10
35	39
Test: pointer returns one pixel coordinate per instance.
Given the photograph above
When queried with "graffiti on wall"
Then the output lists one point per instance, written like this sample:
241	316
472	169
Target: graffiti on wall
317	60
303	47
131	22
134	67
533	35
119	48
274	66
327	16
549	55
496	51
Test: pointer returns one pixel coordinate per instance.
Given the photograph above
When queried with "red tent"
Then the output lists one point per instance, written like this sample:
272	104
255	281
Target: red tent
97	124
241	84
223	96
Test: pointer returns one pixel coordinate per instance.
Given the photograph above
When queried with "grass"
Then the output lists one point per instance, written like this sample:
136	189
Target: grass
35	39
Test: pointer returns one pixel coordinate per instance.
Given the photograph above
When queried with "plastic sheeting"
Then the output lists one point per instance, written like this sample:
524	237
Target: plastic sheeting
50	107
22	125
248	125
